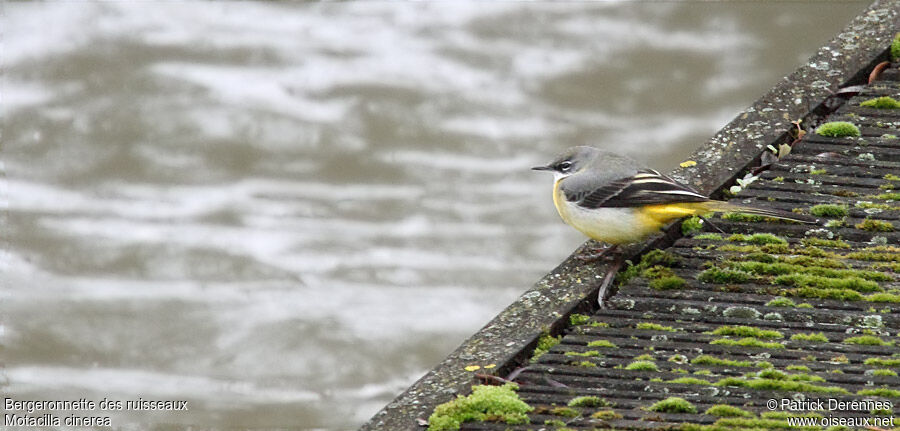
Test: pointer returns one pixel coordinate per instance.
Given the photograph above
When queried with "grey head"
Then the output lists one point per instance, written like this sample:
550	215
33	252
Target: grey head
572	160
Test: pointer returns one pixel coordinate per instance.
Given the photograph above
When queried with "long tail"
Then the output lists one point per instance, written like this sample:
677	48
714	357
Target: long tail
719	206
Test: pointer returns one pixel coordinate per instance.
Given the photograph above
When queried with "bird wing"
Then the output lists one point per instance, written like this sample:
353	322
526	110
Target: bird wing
646	187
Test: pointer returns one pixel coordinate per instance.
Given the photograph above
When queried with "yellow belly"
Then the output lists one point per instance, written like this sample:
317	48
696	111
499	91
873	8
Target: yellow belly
619	225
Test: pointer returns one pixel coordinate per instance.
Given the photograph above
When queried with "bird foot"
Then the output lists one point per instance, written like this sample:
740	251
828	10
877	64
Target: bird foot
596	254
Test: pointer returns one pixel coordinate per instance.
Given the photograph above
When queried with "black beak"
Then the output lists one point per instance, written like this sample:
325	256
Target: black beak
542	168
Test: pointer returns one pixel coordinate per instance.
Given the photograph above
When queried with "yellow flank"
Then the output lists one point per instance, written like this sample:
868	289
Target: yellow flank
665	213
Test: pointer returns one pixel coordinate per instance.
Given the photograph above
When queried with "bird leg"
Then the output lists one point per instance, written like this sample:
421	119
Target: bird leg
711	224
611	272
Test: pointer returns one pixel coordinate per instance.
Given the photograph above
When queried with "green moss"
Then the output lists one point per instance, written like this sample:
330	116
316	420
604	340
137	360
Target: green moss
587	354
723	276
545	343
798	367
657	271
673	405
881	362
757	238
812	336
880	392
741	217
654	327
576	319
880	254
883	297
884	372
494	403
835	294
645	357
887	196
872	225
895	48
565	412
747	331
885	102
642	366
781	302
712	360
747	342
838	129
588	401
780	385
668	283
892	177
866	340
818	172
819	242
602	343
808	280
829	210
691	225
606	415
726	411
689	381
709	236
555	422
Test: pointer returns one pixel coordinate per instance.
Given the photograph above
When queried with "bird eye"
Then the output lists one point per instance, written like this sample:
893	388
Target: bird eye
565	166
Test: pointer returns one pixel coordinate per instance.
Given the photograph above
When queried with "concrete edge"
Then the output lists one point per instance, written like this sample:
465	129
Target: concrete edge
509	338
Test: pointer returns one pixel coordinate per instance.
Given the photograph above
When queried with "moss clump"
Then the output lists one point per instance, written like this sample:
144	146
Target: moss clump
486	403
741	217
781	302
808	280
723	276
895	48
838	129
866	340
757	238
797	368
602	343
726	411
819	242
880	392
875	225
545	343
659	257
880	254
747	331
642	366
884	102
555	422
673	282
654	327
606	415
587	354
712	360
835	294
673	405
883	297
884	372
691	225
689	381
709	236
779	385
812	336
829	210
588	401
578	319
880	362
645	357
587	364
892	177
747	342
565	412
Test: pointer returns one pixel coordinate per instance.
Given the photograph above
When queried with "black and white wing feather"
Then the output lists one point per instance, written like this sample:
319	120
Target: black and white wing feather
646	187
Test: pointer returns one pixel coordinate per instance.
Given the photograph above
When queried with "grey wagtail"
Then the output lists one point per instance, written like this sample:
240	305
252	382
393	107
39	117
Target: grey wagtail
616	200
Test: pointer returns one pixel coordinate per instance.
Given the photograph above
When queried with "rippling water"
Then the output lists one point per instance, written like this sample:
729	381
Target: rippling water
285	214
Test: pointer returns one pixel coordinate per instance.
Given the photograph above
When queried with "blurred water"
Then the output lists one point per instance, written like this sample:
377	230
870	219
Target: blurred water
287	213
